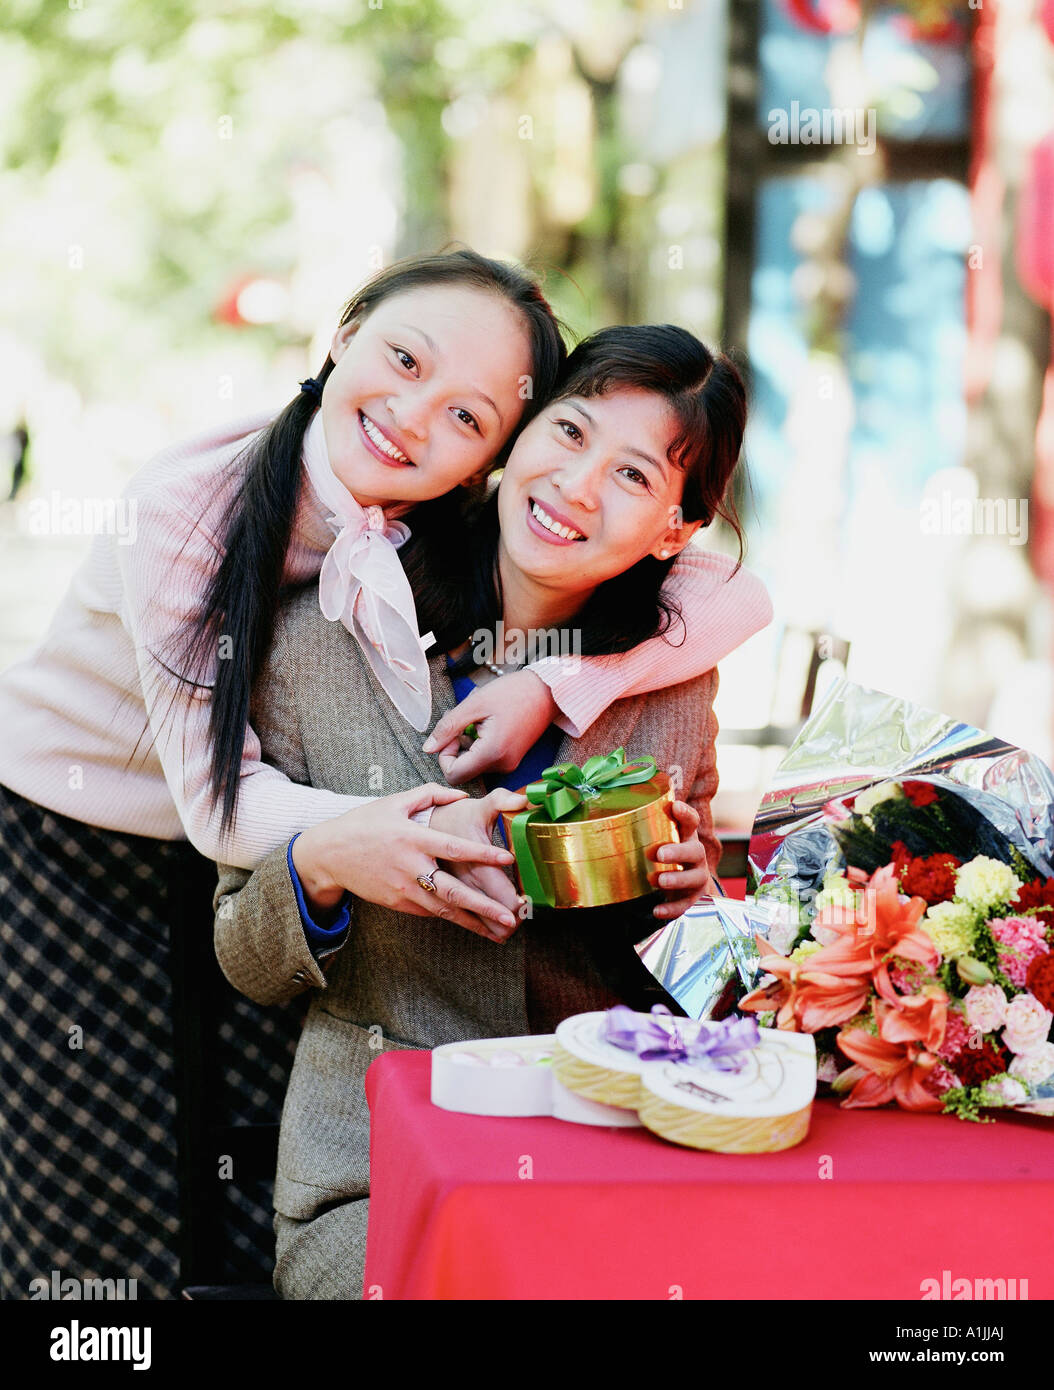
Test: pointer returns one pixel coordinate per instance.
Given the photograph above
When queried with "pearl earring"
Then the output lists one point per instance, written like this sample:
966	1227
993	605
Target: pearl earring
664	554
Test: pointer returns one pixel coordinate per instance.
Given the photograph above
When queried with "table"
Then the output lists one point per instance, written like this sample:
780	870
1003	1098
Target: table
870	1205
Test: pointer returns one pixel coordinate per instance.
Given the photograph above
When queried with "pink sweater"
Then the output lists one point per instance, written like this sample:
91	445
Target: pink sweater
84	723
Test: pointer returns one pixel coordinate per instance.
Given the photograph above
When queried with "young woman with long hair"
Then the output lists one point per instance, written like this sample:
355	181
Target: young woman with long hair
128	750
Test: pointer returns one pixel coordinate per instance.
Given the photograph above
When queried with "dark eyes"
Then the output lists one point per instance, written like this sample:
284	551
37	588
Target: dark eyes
408	361
570	429
467	418
638	476
572	432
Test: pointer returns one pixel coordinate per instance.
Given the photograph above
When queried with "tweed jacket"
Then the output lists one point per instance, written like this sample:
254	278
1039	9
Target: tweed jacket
400	981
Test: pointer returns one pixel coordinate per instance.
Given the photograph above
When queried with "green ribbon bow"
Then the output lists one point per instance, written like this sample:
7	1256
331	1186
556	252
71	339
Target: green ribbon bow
562	788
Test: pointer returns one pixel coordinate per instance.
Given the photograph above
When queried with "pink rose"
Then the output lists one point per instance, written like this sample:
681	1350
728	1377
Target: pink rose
1027	1024
985	1008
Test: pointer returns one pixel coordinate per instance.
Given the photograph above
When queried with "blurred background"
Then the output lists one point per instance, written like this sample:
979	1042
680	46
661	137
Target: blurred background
856	197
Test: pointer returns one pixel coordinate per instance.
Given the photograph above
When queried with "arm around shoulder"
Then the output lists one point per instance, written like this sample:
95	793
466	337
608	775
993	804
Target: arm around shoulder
720	607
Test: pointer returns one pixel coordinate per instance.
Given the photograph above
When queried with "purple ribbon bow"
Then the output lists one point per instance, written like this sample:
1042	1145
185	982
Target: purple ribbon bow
652	1038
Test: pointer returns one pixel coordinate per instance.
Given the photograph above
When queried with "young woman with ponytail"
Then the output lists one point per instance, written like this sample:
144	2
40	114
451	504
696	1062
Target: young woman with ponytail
126	751
128	748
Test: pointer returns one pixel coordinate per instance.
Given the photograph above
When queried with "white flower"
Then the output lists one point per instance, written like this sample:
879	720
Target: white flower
1027	1024
871	796
1034	1067
1003	1090
952	927
986	883
985	1008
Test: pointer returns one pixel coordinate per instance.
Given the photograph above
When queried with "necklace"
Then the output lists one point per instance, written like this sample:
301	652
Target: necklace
464	666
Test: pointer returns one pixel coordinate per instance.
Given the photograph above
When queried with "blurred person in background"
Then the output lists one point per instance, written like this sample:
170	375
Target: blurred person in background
18	443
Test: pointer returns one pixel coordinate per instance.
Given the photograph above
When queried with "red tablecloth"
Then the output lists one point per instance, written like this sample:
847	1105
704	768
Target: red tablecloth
870	1205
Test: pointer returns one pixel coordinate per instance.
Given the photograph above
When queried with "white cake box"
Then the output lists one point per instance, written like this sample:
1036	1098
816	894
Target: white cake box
513	1077
594	1069
763	1107
495	1076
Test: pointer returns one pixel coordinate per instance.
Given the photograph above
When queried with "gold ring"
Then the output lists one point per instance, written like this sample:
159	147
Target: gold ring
425	880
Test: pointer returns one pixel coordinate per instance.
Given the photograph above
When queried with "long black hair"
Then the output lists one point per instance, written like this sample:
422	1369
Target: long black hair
457	588
242	600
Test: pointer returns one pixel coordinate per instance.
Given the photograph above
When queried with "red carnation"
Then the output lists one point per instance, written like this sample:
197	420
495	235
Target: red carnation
901	857
975	1065
932	878
1040	980
1035	893
919	793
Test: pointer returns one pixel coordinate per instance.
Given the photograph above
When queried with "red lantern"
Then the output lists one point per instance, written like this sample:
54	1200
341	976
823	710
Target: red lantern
225	310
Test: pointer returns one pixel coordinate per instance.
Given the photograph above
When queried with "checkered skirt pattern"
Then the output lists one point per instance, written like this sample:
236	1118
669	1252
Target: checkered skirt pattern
88	1152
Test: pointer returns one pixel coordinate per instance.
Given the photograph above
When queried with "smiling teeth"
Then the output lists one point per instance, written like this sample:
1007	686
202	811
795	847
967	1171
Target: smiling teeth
544	519
385	446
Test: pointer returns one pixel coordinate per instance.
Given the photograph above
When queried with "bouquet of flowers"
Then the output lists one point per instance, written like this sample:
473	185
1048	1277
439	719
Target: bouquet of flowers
915	939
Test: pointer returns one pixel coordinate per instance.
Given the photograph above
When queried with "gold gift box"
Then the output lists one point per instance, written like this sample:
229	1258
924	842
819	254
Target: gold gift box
598	854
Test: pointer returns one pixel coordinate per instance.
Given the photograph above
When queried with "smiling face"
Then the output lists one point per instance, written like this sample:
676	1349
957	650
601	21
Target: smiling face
588	491
425	391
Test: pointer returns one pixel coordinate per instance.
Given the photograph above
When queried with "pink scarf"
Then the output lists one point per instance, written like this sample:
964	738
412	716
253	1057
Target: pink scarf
363	585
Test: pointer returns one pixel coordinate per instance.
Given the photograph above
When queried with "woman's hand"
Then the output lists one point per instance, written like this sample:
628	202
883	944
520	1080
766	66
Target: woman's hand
510	715
378	853
692	881
473	819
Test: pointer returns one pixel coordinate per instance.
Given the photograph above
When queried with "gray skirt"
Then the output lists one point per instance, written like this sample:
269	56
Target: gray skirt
89	1175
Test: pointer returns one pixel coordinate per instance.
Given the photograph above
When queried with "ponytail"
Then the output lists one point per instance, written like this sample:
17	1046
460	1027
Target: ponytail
239	610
